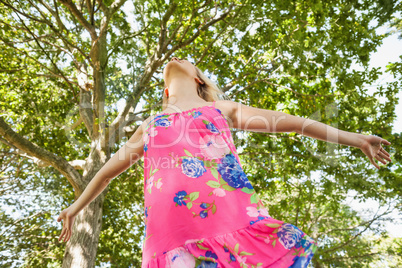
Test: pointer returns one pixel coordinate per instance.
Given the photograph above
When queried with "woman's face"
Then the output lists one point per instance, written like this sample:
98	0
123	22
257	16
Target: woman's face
178	68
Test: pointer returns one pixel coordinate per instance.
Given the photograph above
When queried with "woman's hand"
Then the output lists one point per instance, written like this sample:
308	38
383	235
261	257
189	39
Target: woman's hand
371	147
68	221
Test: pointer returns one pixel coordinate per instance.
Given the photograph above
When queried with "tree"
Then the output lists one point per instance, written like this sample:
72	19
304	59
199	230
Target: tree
60	81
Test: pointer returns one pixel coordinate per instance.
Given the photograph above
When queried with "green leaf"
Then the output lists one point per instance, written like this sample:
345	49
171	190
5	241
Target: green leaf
194	195
213	209
245	253
236	248
228	187
214	172
273	225
188	153
254	198
247	190
213	184
202	247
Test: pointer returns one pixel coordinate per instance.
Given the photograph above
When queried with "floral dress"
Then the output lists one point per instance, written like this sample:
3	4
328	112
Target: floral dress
200	208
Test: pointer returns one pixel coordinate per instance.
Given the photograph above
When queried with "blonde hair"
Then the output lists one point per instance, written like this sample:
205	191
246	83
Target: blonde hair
209	91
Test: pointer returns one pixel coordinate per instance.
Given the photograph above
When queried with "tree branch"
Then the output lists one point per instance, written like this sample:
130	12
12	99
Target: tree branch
199	31
77	164
115	6
41	64
22	219
104	8
368	223
85	106
162	34
73	9
34	150
50	24
22	13
351	257
125	37
44	52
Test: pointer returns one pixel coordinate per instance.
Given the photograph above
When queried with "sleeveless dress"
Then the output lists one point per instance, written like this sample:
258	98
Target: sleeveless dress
200	209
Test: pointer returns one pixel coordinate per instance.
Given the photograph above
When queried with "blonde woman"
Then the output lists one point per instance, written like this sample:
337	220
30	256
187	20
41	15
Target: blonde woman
200	208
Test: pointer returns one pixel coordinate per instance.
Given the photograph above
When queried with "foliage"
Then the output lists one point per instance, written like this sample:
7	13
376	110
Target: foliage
291	56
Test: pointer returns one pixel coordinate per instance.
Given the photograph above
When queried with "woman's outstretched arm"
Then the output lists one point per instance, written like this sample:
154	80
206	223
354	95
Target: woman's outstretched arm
126	156
263	120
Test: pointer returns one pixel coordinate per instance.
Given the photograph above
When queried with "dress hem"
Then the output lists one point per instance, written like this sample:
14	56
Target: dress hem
190	245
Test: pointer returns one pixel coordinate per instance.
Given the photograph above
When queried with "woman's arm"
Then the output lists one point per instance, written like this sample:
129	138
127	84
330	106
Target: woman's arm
263	120
321	131
120	161
249	118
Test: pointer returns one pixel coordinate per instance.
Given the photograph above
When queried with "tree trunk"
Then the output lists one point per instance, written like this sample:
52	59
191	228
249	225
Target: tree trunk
82	247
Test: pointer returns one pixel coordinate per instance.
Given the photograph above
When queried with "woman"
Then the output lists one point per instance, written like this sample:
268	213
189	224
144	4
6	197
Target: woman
200	208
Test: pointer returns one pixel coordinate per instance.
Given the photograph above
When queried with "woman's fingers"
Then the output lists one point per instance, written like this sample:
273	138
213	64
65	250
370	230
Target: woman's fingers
62	234
67	235
385	152
383	155
65	231
380	159
373	162
386	142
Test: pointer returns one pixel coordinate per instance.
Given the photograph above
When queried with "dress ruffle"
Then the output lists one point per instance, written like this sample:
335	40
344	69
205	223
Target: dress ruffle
274	244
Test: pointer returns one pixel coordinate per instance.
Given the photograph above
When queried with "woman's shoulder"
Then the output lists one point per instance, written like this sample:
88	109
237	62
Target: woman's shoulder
228	109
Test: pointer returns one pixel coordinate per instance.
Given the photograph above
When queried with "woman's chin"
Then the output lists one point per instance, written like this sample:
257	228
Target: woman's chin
173	67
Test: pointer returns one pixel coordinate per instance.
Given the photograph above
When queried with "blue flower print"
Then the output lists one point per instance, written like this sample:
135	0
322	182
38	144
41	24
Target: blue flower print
203	214
193	167
259	219
145	147
203	205
212	128
164	122
211	254
208	264
305	242
175	256
289	235
196	114
232	258
146	212
179	198
301	261
232	173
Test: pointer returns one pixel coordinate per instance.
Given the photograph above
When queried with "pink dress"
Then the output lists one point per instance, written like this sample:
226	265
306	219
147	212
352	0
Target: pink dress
200	208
